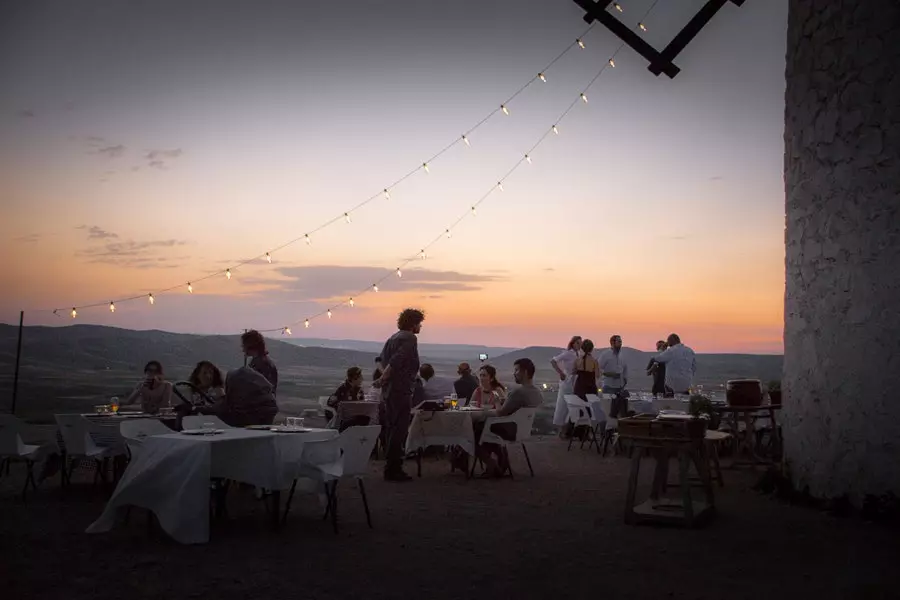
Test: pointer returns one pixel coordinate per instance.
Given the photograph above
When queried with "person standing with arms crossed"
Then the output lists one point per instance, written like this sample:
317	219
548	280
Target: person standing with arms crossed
400	358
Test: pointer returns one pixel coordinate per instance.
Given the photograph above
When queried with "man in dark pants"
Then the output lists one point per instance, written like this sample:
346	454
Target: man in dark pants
400	358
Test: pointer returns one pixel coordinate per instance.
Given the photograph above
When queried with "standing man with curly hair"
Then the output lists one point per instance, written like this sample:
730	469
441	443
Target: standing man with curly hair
400	359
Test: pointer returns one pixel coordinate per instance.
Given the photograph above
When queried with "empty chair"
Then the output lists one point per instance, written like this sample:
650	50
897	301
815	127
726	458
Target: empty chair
579	416
524	420
135	431
12	448
197	422
76	435
601	407
356	451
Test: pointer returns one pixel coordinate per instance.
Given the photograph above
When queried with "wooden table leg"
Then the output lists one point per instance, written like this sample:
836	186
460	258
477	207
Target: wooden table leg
632	487
684	479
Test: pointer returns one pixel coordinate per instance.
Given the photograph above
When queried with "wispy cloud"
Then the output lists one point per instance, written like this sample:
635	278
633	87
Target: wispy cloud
28	239
164	154
716	178
111	151
132	254
326	281
157	164
96	232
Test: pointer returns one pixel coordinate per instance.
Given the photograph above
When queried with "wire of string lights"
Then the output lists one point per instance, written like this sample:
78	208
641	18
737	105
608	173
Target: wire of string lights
446	233
465	138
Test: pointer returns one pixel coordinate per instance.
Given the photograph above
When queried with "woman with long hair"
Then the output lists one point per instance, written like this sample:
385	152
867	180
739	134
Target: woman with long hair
564	365
208	381
490	392
587	370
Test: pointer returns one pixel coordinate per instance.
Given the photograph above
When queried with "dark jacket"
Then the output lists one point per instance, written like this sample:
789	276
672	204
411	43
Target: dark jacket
248	399
465	386
401	352
265	366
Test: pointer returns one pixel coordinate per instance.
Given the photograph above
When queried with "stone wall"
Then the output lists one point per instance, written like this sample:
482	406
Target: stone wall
842	298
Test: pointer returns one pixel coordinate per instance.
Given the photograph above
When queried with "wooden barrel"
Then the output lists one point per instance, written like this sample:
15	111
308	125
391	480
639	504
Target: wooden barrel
743	392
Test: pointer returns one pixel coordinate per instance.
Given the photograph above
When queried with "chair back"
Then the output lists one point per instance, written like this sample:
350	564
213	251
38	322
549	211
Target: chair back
598	415
357	444
197	421
10	436
75	432
604	402
579	412
524	418
324	455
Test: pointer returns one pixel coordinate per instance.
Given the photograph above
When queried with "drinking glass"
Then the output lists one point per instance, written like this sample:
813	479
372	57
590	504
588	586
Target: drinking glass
454	402
208	428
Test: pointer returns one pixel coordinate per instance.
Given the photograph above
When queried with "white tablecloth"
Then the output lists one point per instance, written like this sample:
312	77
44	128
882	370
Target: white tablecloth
441	428
171	474
348	409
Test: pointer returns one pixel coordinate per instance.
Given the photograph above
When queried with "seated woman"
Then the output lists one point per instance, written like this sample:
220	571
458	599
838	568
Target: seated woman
490	392
207	379
350	390
248	400
153	391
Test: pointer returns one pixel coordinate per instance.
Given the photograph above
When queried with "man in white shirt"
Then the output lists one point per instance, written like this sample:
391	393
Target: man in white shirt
681	364
613	367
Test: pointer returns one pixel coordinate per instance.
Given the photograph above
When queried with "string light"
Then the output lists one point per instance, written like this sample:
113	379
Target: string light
422	254
449	235
642	27
151	299
618	7
329	313
352	303
387	194
347	217
74	312
583	97
555	130
474	213
190	288
612	63
112	307
306	323
287	331
580	43
399	272
528	159
500	185
269	258
542	77
374	287
504	109
466	140
425	166
228	274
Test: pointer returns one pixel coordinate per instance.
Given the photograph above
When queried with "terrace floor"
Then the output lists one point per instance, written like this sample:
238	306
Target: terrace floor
559	534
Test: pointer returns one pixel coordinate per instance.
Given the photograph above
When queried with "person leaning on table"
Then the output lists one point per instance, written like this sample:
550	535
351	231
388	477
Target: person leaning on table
153	391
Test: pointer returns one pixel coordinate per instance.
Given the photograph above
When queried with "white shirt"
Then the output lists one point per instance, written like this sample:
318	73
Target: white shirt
681	364
565	360
612	362
438	388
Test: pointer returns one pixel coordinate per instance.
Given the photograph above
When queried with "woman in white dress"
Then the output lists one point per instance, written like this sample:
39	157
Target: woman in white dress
564	365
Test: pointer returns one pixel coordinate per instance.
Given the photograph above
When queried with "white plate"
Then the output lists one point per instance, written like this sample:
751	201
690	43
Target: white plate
202	431
287	429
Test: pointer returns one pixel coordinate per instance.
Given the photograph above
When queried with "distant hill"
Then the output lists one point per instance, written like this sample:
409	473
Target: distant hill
460	352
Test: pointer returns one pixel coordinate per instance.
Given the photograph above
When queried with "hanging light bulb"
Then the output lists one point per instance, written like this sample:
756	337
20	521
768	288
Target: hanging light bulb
399	272
228	274
580	43
387	194
449	235
642	27
504	109
306	323
151	299
542	77
352	303
583	97
422	254
347	217
612	63
74	312
374	287
112	307
466	140
555	130
500	185
474	212
269	258
329	313
618	7
190	288
425	166
287	331
528	158
307	240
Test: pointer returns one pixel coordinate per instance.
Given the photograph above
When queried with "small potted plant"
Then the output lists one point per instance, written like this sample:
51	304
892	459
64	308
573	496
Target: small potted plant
774	388
701	407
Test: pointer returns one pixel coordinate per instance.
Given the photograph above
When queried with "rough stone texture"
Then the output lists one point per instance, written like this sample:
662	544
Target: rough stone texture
842	301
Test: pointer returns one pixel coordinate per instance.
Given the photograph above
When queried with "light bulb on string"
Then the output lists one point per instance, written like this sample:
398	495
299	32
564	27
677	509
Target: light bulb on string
74	312
618	7
112	307
352	303
612	63
347	217
555	130
307	240
642	27
474	213
422	254
287	331
528	159
151	299
374	287
542	77
466	141
269	258
504	109
399	272
583	97
306	323
387	194
329	313
228	274
500	185
580	43
190	288
425	166
449	234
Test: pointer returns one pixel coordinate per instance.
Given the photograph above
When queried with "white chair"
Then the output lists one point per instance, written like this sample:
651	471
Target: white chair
13	448
579	416
356	448
197	421
80	445
602	405
135	431
524	420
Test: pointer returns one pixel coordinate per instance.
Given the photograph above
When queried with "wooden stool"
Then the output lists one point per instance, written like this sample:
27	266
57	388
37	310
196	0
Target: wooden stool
712	441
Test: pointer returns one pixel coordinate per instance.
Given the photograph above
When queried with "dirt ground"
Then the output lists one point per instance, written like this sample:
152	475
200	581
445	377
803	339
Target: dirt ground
441	536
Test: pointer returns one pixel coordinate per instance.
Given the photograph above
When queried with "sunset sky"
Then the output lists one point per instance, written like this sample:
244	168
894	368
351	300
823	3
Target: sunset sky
143	145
